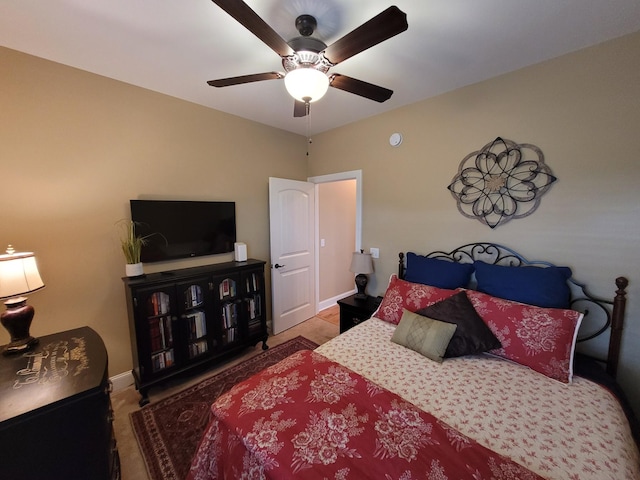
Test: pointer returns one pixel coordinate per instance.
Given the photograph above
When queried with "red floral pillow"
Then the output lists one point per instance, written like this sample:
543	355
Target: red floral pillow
542	339
401	295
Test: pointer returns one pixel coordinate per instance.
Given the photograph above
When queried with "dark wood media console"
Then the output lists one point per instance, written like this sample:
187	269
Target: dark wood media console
184	319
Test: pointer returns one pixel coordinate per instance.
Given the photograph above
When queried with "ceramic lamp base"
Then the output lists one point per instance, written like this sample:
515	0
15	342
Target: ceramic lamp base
361	285
17	320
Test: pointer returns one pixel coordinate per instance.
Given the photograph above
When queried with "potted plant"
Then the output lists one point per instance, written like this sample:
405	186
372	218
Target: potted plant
132	244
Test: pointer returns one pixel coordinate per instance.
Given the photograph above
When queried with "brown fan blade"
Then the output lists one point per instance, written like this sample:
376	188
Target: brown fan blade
256	77
359	87
383	26
252	22
299	109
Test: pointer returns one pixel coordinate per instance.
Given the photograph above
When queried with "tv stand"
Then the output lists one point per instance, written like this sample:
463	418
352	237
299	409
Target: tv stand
180	320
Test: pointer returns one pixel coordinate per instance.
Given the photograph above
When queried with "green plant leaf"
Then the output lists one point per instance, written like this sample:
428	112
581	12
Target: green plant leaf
131	243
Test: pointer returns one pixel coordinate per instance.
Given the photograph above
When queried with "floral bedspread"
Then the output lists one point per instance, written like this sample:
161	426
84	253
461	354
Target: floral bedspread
560	431
309	417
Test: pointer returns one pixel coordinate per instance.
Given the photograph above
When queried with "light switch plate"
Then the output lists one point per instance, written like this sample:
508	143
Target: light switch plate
375	252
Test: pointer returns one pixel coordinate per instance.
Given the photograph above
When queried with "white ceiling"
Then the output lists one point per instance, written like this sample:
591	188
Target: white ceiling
175	46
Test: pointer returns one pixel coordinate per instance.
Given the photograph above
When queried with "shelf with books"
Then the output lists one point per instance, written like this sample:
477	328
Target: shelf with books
253	282
182	319
198	348
162	360
253	304
160	333
227	289
158	307
196	327
193	297
158	303
196	321
229	322
195	300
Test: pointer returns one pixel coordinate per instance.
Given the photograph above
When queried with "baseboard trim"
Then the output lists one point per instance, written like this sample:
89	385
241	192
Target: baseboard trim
122	381
330	302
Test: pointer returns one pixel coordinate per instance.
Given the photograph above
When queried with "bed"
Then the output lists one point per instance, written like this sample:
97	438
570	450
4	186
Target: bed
466	370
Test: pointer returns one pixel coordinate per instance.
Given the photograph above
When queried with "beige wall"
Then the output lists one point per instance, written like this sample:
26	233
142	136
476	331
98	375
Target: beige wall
75	147
337	227
582	110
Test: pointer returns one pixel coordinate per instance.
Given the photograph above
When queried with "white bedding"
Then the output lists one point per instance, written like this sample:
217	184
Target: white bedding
559	431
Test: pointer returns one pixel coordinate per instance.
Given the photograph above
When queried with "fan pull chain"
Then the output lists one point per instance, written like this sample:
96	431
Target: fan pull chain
308	111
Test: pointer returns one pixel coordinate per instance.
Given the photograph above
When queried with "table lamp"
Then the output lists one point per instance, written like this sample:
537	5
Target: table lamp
18	276
361	264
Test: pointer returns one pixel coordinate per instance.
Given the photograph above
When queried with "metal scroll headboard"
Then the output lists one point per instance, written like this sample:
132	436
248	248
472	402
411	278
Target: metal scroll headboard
599	314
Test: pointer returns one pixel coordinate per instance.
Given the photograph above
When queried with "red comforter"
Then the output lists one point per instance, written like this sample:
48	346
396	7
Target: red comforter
308	417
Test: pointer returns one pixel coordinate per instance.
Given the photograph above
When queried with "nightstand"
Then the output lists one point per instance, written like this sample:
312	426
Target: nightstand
55	410
354	311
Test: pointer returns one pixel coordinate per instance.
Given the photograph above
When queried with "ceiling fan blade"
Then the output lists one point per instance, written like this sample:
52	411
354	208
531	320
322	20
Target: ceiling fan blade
256	77
299	109
359	87
252	22
383	26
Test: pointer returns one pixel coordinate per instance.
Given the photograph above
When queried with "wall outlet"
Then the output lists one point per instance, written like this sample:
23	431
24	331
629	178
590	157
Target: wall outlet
375	252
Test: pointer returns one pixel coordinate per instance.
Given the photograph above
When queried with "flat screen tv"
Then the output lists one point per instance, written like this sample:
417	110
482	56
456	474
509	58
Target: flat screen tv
183	229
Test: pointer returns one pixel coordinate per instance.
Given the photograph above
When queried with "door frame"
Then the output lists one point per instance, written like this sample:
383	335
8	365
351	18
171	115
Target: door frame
335	177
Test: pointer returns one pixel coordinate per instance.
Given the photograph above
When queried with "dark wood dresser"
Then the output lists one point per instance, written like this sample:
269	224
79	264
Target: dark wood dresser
55	410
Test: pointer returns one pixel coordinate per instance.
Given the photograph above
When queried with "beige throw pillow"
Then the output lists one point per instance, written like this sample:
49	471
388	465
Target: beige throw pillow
425	335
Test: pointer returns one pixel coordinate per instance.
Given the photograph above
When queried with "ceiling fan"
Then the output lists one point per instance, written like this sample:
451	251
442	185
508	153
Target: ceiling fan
306	60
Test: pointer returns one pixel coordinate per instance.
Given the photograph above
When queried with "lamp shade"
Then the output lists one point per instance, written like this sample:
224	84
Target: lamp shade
306	84
361	263
19	274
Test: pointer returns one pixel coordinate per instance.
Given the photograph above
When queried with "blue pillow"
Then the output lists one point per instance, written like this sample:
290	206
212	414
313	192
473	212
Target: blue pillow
541	286
436	272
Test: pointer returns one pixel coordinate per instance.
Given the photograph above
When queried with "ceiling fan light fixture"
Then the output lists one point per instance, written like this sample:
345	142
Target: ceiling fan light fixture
306	84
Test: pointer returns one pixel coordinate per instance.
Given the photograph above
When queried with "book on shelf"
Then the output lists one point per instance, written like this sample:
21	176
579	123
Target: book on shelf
162	360
227	288
197	324
155	337
254	306
157	361
198	348
160	333
167	331
230	334
229	314
159	303
252	283
168	358
193	296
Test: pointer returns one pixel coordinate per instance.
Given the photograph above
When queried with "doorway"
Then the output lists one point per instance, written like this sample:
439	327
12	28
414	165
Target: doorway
295	245
338	228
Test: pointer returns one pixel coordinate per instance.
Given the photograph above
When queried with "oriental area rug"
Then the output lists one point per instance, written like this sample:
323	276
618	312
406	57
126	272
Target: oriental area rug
169	430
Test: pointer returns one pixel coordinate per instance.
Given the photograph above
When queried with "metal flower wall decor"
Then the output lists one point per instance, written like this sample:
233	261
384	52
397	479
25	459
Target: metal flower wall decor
501	181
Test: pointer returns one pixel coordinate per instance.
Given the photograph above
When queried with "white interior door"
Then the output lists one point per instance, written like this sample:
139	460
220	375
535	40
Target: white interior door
292	231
